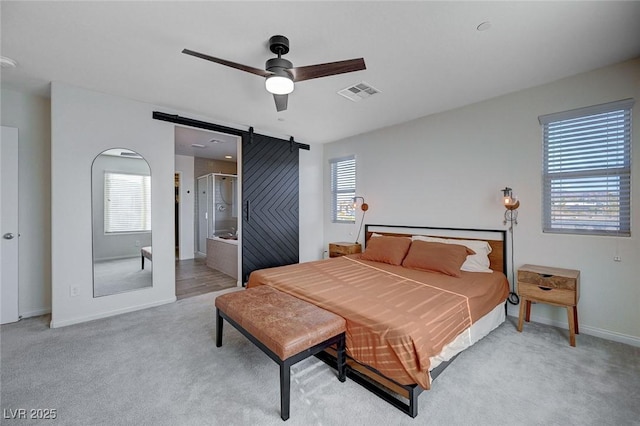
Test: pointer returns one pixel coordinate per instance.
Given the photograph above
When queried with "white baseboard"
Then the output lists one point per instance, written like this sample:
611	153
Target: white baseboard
79	320
35	313
585	329
611	335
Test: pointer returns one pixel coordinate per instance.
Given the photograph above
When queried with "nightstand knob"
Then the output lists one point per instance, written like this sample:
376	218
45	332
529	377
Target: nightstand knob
545	288
545	275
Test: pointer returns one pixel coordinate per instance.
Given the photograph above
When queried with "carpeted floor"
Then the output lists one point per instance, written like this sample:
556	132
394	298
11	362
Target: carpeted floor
160	366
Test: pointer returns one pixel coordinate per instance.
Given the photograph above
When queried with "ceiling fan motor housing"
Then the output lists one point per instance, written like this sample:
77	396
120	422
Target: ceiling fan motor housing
279	66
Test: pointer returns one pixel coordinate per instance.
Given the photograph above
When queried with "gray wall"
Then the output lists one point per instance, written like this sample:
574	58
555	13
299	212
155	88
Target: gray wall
84	124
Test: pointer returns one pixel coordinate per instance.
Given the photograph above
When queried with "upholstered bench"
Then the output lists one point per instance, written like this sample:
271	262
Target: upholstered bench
286	328
145	252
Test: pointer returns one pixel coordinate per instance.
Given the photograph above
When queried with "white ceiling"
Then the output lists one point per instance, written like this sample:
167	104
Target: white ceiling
425	57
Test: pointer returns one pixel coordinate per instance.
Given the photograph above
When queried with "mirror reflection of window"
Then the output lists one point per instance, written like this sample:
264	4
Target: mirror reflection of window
121	209
127	202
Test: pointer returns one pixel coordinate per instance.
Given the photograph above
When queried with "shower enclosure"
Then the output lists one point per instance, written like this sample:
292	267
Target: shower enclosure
217	208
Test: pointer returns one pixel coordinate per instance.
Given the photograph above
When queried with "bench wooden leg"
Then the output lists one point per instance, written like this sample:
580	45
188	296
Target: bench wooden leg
219	322
285	389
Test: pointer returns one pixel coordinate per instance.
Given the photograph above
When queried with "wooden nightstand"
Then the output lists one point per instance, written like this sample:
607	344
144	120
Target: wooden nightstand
341	249
554	286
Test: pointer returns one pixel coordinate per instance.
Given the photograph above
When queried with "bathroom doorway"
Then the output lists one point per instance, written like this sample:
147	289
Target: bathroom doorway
199	214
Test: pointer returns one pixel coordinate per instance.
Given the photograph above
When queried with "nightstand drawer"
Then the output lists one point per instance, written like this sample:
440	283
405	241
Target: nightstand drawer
547	280
341	249
544	293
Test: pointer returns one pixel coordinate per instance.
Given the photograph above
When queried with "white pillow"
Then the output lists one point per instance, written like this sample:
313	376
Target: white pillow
430	239
478	262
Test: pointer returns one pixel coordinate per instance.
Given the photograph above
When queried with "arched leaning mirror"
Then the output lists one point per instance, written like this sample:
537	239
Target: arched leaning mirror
121	210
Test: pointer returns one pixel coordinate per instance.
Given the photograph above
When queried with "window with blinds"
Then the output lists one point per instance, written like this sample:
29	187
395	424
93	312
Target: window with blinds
127	203
343	189
587	170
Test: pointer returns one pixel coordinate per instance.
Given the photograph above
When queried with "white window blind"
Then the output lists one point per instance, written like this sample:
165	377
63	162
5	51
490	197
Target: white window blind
587	170
343	189
127	202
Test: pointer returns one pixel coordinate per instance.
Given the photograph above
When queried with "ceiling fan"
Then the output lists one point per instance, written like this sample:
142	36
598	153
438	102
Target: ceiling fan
280	73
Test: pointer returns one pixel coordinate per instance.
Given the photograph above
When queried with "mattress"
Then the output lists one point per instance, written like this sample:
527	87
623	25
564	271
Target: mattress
467	338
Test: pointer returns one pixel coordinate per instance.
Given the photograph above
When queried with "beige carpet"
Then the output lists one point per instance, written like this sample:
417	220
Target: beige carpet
160	366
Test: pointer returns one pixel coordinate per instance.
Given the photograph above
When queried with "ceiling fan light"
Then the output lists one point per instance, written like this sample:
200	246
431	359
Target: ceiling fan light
279	85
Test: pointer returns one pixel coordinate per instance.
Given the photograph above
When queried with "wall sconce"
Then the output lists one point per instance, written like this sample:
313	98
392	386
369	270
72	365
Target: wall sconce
364	207
511	204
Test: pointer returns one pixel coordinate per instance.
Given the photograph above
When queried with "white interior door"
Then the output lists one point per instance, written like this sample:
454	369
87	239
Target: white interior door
9	225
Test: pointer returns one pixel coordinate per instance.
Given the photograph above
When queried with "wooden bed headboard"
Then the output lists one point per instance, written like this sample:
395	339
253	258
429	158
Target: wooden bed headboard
497	238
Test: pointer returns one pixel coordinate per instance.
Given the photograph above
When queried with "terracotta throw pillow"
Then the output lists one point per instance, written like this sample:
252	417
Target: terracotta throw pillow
436	257
387	249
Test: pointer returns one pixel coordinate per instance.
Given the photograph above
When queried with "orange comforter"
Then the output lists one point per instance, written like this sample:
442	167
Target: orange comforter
397	318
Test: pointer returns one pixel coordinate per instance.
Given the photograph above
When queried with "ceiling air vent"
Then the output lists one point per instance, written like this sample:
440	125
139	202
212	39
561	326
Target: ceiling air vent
358	92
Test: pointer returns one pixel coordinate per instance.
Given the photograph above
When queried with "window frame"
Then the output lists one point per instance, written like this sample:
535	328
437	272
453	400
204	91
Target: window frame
341	195
588	152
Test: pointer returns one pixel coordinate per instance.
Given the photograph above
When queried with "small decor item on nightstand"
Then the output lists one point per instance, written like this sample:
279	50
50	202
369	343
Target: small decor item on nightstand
342	249
553	286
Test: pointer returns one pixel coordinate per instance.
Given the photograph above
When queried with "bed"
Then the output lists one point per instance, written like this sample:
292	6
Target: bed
412	301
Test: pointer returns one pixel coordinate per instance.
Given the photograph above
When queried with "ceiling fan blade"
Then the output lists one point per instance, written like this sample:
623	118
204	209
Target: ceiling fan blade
252	70
326	70
281	102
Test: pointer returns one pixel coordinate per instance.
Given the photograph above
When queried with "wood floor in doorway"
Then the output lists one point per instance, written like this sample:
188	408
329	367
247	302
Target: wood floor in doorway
194	277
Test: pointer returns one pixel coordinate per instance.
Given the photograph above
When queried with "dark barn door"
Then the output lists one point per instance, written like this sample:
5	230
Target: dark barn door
269	203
